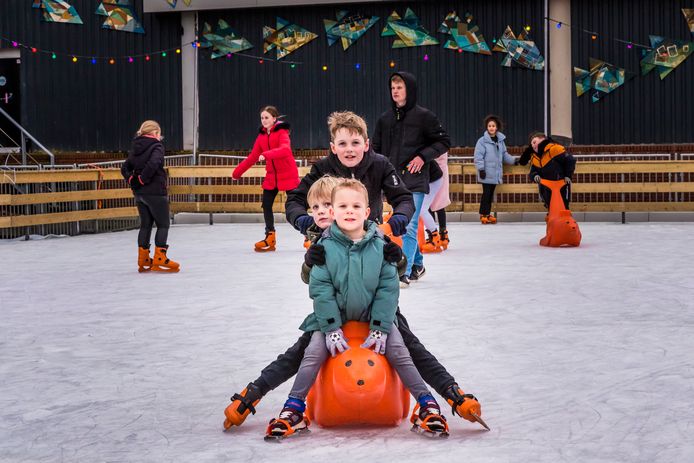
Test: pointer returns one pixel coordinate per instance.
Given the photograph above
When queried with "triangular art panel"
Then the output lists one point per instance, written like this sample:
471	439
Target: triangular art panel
120	16
602	77
465	34
665	55
224	40
348	28
57	11
520	51
409	31
286	37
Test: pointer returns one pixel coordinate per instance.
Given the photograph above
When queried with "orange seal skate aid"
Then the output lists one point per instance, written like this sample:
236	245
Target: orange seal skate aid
357	387
562	229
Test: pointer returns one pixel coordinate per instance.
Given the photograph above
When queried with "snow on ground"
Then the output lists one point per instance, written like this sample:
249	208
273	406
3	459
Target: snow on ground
578	354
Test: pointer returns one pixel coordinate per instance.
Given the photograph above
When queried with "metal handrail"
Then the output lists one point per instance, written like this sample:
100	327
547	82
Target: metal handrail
299	162
30	137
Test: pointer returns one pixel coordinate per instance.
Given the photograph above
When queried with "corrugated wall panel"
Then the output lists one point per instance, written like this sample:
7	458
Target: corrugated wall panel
460	88
95	107
646	109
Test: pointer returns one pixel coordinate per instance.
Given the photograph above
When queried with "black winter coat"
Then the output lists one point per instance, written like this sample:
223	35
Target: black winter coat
374	171
146	159
552	162
401	134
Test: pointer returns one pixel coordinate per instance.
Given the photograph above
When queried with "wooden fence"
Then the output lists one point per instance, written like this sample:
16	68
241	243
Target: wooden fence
49	197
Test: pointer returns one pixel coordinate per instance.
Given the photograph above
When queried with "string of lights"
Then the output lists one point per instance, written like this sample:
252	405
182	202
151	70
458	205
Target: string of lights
595	35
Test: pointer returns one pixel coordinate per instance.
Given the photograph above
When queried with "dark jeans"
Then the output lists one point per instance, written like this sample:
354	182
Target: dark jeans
487	198
288	363
268	199
546	195
153	209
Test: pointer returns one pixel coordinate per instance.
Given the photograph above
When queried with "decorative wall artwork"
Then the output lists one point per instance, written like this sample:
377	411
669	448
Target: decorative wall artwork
689	16
287	38
120	16
409	31
348	28
665	55
602	77
57	11
224	40
464	34
520	51
172	3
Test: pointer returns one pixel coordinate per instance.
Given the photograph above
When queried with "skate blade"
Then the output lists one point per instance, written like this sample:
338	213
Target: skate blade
166	270
143	269
264	250
297	433
429	434
480	421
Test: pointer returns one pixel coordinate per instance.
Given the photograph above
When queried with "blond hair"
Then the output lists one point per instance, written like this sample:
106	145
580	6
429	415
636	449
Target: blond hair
347	120
322	189
351	184
397	79
148	127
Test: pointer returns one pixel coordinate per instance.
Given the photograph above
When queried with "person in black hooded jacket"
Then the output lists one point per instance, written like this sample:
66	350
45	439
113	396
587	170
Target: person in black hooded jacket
145	174
411	137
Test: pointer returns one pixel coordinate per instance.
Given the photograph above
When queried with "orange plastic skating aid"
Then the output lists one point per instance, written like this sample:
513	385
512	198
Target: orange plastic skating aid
268	244
385	228
562	229
161	263
357	387
144	262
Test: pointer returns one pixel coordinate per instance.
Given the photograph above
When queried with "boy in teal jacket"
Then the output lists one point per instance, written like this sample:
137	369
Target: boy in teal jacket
355	283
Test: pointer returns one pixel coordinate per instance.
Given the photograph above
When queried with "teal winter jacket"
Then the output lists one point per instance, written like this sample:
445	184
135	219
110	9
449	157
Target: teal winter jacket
355	283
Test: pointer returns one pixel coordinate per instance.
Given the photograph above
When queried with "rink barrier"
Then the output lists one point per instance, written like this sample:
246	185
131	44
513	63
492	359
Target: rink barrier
92	198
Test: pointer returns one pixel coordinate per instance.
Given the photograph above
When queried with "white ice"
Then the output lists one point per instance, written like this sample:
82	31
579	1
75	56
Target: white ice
583	354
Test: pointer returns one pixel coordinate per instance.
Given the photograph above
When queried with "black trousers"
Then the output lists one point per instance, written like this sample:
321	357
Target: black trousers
546	195
487	198
153	209
440	217
268	199
287	364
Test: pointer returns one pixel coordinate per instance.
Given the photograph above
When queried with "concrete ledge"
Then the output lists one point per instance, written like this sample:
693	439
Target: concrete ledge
467	217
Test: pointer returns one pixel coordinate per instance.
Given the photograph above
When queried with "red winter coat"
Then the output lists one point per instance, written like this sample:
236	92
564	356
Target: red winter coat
280	168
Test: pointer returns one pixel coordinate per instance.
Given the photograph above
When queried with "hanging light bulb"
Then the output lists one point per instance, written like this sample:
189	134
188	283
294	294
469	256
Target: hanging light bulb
426	57
93	60
53	56
146	57
358	66
33	49
392	64
163	54
594	37
527	28
325	68
130	59
112	61
74	59
178	51
292	65
559	25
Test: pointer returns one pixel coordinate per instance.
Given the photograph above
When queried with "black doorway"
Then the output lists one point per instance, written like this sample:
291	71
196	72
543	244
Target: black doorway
9	101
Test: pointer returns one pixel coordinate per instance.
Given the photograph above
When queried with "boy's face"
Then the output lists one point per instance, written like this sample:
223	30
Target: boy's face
535	142
350	211
320	210
398	91
349	147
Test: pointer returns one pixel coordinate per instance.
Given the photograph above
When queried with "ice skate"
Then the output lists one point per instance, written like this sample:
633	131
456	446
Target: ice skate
444	239
433	242
464	405
484	219
241	406
161	263
427	419
144	262
268	244
291	422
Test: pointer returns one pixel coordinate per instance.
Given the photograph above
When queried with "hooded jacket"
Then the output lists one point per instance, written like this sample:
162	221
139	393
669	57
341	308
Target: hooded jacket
374	171
552	162
490	156
280	167
146	160
355	283
401	134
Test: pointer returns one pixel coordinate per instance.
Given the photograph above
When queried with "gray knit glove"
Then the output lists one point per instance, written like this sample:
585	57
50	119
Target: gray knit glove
376	338
336	342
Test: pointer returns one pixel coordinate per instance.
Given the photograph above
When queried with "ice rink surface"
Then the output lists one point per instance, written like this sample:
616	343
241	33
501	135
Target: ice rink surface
583	354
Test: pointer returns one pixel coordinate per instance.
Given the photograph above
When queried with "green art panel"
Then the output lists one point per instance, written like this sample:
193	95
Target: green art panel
120	16
665	55
57	11
465	34
348	28
409	31
224	40
520	51
602	77
286	38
